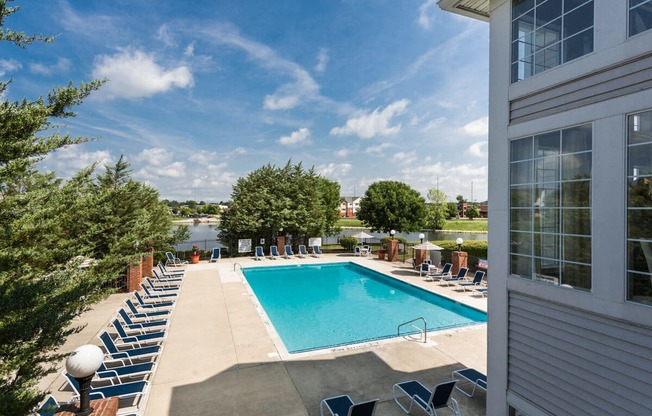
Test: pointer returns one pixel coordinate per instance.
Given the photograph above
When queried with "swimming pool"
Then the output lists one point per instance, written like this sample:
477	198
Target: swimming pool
326	305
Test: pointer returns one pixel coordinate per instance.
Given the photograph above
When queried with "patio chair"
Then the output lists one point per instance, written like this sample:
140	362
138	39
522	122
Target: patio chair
473	376
444	273
316	251
140	340
167	281
48	408
461	276
273	253
124	371
170	274
288	252
140	327
174	261
303	253
146	315
259	253
216	255
477	280
356	251
121	390
428	401
125	352
344	406
151	295
481	290
424	269
159	286
152	304
367	249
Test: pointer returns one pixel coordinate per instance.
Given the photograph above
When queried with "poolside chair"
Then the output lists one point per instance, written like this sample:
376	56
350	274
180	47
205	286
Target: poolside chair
124	371
473	376
122	391
288	251
356	251
480	290
158	286
140	340
461	276
131	325
444	273
216	255
151	295
366	250
170	274
477	280
273	253
152	304
259	254
147	315
424	269
174	261
428	401
344	406
303	253
126	351
316	251
48	408
167	281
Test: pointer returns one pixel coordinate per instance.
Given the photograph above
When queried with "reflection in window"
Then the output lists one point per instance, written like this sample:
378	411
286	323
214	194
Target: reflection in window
640	16
547	33
639	208
550	207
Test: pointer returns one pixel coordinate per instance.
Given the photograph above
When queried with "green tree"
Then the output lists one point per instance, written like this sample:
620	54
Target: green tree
452	209
437	209
392	205
472	212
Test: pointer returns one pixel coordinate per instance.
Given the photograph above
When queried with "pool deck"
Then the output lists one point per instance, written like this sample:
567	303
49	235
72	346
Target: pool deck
220	357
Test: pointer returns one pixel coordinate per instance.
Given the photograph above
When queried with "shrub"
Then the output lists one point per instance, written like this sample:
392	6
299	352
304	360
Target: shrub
348	242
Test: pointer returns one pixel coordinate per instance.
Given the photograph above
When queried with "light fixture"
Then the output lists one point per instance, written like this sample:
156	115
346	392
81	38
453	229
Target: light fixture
82	364
422	236
459	242
392	232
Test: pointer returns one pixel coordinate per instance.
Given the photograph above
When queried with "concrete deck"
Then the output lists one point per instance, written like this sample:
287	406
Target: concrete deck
220	357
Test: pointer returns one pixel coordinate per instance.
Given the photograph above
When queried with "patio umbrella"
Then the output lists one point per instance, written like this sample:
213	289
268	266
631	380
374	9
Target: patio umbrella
362	235
427	246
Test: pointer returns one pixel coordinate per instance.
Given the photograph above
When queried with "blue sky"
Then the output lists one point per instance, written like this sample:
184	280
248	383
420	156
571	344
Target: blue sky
202	92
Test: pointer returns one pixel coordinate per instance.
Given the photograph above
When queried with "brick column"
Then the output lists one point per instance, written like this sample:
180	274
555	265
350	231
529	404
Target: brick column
280	244
147	263
134	276
459	260
101	407
392	250
420	256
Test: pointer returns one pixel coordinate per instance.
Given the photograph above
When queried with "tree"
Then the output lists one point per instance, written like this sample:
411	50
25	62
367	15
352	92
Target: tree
392	205
460	199
438	209
473	212
452	209
272	201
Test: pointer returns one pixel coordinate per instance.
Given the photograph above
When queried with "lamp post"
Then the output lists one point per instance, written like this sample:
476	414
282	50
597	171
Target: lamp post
392	232
421	237
81	364
459	242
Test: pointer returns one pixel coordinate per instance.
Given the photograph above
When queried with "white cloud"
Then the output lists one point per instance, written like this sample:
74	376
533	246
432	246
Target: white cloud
62	65
425	13
202	157
299	137
334	170
135	74
69	160
239	151
8	65
343	153
163	34
477	149
154	156
190	50
274	102
377	148
322	60
479	127
374	124
405	158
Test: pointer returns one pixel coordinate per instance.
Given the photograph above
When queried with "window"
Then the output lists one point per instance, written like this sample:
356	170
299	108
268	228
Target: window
547	33
639	208
640	16
550	207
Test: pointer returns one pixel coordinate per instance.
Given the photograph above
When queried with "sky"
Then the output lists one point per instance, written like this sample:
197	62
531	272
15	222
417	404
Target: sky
200	93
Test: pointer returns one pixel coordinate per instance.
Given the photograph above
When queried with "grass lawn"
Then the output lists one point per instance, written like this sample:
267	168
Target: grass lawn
457	225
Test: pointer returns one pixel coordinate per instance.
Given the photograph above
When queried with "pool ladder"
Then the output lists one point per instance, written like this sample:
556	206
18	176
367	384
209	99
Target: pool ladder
237	264
411	324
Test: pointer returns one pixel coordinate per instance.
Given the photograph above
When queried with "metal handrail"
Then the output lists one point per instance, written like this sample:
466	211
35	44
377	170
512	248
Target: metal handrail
237	264
411	323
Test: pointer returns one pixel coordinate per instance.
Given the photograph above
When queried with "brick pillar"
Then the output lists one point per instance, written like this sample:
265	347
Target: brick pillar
147	263
420	256
134	276
392	250
459	260
101	407
280	244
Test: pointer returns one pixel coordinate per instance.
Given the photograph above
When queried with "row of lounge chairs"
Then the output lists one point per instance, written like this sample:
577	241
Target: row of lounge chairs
409	393
132	347
172	260
259	253
477	285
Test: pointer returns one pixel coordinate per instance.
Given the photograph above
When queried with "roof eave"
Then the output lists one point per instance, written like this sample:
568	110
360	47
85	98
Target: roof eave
470	8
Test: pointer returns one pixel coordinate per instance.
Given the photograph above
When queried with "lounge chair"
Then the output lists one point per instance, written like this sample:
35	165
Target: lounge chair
424	269
162	287
259	253
288	252
316	251
356	251
167	281
48	408
344	406
174	261
444	273
152	304
428	401
273	253
216	255
471	375
122	390
147	315
170	274
461	276
151	295
131	325
126	353
140	340
303	253
477	280
130	371
481	290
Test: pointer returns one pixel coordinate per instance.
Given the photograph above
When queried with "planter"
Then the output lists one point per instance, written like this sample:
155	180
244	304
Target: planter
381	254
194	258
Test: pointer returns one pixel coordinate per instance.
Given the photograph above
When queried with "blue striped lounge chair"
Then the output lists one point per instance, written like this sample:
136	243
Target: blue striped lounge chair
125	354
472	376
344	406
461	276
477	281
121	390
316	251
303	253
428	400
273	253
444	273
216	255
288	252
259	253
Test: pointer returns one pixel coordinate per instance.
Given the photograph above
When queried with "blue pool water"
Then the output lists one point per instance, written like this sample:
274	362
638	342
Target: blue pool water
326	305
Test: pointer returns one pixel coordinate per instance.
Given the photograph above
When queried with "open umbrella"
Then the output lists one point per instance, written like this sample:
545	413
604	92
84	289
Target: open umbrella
362	235
427	246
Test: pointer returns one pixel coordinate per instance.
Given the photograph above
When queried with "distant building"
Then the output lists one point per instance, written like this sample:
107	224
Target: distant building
349	206
570	169
462	208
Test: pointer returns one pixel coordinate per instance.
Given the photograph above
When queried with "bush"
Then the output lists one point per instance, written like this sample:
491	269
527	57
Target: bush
348	242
